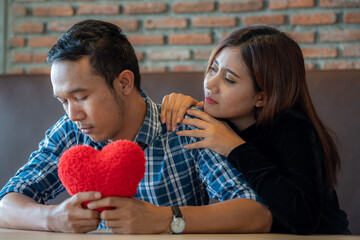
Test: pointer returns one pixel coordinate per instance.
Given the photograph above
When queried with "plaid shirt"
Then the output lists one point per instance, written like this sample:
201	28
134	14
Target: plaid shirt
174	175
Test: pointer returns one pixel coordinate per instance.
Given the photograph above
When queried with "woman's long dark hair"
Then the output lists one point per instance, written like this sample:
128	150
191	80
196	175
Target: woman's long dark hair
276	64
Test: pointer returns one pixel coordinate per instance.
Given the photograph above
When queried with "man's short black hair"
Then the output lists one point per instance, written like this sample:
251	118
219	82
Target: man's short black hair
108	49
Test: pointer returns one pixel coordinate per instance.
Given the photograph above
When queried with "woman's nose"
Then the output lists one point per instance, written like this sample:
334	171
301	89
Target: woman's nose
212	84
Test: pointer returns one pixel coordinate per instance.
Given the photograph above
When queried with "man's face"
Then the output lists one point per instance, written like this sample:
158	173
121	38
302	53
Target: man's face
88	101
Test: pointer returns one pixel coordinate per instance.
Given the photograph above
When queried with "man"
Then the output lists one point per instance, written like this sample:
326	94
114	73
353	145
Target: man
95	75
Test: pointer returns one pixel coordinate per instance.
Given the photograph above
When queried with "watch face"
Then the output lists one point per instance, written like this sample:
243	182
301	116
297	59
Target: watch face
178	225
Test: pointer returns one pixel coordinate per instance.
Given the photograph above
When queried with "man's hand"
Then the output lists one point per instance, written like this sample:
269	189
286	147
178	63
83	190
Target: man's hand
133	216
70	216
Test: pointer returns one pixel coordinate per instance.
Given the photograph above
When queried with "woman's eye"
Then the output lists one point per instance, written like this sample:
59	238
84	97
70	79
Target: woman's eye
212	69
229	81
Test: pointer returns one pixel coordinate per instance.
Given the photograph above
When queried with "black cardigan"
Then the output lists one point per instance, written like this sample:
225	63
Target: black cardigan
285	166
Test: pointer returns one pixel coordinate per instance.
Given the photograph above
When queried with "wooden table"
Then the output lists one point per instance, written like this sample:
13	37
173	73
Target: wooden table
11	234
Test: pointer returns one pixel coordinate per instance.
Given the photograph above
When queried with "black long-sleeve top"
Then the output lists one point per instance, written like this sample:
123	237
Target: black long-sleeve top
285	166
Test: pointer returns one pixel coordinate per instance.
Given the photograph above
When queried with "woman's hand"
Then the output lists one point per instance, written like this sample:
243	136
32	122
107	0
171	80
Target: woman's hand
217	135
173	109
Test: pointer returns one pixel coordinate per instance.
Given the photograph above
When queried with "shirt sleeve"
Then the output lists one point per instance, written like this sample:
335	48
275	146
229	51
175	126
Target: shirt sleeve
38	178
222	180
292	186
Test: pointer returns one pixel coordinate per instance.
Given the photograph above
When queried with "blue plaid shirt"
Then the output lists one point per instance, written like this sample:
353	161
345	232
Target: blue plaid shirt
174	175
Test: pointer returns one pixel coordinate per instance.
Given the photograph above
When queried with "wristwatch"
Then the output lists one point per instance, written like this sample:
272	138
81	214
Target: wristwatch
178	223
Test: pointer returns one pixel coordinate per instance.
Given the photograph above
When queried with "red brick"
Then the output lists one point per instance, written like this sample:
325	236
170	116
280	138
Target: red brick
339	3
241	6
202	54
19	11
61	26
106	9
42	41
28	57
214	22
353	17
310	66
189	68
143	8
126	24
159	23
18	27
53	11
351	51
22	57
313	19
277	19
39	57
161	55
39	70
283	4
185	39
197	7
340	36
303	37
152	69
319	52
341	65
137	39
17	42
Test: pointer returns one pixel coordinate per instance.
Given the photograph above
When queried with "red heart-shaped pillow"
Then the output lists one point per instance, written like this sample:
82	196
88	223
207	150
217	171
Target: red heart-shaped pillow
116	170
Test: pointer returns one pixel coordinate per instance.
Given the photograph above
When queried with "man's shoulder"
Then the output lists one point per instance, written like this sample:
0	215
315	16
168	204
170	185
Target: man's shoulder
193	108
183	127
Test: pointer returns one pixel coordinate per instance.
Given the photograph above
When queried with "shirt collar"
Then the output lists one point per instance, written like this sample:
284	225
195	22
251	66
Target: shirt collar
151	126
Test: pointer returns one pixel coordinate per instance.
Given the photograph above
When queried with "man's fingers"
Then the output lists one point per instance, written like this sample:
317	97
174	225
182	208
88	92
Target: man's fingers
85	197
106	202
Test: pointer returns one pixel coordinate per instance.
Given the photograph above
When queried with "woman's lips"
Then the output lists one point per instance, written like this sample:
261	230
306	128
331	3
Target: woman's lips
209	100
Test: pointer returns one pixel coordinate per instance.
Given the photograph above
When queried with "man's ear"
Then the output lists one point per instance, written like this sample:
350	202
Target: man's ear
260	99
124	82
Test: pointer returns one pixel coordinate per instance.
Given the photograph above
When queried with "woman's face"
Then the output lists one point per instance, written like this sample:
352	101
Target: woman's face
229	89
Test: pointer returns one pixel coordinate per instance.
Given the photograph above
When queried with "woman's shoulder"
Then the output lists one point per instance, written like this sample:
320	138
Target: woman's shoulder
292	118
292	122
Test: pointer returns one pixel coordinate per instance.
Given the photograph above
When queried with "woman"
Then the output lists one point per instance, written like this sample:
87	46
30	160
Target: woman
255	82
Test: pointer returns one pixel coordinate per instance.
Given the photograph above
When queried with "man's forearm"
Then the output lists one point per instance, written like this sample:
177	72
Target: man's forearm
232	216
21	212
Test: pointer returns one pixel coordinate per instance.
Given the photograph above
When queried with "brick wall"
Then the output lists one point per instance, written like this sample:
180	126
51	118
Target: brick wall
179	35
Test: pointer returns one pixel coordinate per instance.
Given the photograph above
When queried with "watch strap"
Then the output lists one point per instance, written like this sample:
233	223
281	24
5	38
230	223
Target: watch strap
176	211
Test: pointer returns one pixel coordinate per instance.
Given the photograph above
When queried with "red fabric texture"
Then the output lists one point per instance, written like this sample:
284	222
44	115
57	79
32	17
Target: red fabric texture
116	170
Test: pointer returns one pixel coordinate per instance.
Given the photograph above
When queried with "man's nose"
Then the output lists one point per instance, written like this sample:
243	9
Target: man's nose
75	112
